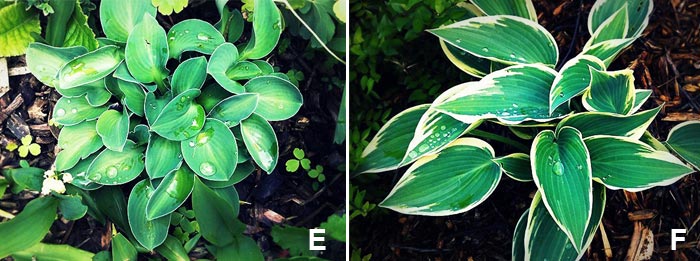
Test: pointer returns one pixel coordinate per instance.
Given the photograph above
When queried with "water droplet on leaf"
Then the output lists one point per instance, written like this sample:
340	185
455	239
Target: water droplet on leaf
207	169
112	172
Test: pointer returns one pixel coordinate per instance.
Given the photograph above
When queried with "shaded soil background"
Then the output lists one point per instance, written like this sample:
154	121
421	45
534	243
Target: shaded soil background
666	59
280	197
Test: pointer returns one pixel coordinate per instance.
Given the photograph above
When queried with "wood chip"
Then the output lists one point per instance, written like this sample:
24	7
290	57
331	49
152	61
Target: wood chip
274	216
15	71
4	78
643	214
681	116
641	244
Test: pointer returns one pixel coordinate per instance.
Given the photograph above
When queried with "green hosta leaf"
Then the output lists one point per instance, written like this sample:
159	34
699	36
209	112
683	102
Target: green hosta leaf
45	61
230	195
77	142
71	207
89	67
614	27
236	108
434	131
453	181
511	95
111	202
114	168
544	240
71	111
181	118
243	70
518	247
122	249
574	79
212	153
265	67
172	249
166	7
95	92
467	62
278	99
193	35
261	141
638	12
512	39
293	238
522	8
653	142
153	105
211	95
29	226
171	193
640	97
610	158
562	172
147	51
319	16
516	166
267	27
608	50
190	74
162	156
132	95
222	59
217	220
118	18
243	170
41	251
605	123
79	172
387	149
683	140
113	127
16	28
149	233
610	92
242	247
78	32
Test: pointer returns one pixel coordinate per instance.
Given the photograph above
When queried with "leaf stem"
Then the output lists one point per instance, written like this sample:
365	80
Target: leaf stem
289	6
6	214
499	138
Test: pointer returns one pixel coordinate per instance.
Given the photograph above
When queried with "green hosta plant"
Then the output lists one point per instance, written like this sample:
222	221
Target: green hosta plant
584	122
174	131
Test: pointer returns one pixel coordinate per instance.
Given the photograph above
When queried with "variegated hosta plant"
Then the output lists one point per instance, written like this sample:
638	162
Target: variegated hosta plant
126	117
591	132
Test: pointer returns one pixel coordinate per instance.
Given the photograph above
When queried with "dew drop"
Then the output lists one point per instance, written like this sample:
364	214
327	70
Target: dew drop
74	110
96	177
203	37
579	167
60	112
459	41
561	94
187	31
485	49
423	148
172	38
112	172
512	55
558	168
207	169
192	143
443	127
412	154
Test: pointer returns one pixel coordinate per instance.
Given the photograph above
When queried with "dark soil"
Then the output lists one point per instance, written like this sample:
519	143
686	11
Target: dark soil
665	59
278	197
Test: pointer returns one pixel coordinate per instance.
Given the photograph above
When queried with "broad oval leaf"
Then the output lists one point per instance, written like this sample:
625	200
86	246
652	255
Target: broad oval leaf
17	27
434	131
44	61
190	74
212	153
610	92
638	14
130	93
278	99
113	127
71	111
79	172
89	67
149	233
162	156
216	217
467	62
511	95
518	246
684	141
516	166
77	142
261	142
453	181
222	59
173	190
574	79
562	172
605	123
511	39
29	226
146	52
610	158
153	105
234	109
211	95
544	240
614	27
181	118
119	18
388	147
608	50
115	168
243	170
193	35
267	27
522	8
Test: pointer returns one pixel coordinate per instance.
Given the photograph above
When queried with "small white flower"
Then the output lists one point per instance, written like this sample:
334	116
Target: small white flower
67	177
52	184
48	173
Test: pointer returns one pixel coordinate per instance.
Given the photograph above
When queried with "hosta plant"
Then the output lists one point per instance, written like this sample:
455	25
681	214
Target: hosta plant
584	123
172	114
